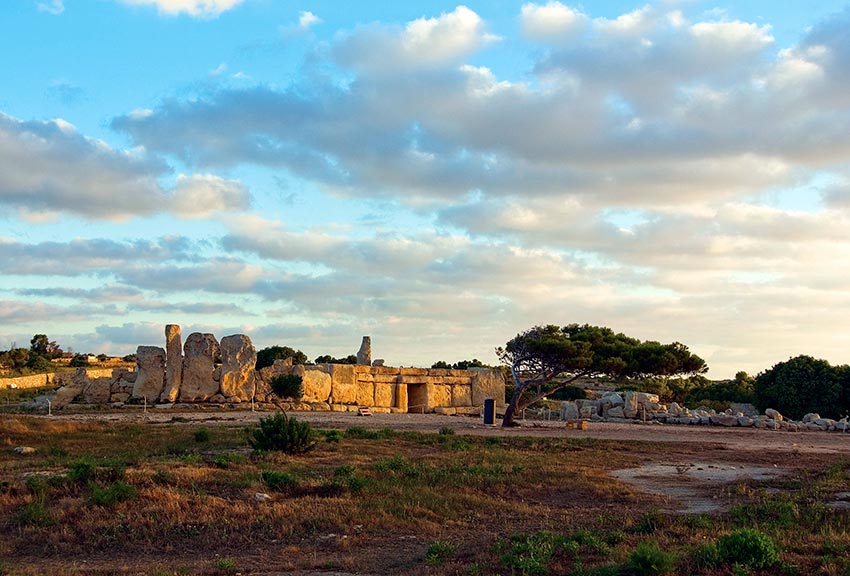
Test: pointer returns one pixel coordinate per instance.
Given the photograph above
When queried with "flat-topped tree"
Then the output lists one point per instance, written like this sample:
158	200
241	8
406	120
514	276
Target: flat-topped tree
544	359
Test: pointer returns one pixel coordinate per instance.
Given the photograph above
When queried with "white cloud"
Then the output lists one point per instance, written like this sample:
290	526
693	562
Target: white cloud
201	195
307	20
54	7
554	22
194	8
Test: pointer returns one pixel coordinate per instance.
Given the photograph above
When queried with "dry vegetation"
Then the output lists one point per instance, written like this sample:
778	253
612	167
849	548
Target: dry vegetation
179	498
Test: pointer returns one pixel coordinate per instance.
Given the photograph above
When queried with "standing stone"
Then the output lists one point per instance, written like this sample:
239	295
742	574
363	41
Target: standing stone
364	355
630	404
150	366
239	359
173	363
199	352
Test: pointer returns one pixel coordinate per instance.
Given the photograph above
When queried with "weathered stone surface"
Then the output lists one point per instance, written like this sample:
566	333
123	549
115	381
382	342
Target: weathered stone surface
239	358
674	409
343	383
745	421
364	355
365	393
401	399
569	411
724	420
24	450
587	411
461	395
378	362
439	395
199	352
446	410
591	405
173	363
616	412
811	417
630	404
773	414
119	397
317	384
97	391
611	399
487	383
150	367
385	395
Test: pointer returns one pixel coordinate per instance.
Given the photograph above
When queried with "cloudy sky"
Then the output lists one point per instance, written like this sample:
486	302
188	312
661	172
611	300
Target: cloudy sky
438	176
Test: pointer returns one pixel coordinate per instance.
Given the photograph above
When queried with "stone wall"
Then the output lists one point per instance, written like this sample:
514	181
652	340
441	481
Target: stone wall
51	379
386	389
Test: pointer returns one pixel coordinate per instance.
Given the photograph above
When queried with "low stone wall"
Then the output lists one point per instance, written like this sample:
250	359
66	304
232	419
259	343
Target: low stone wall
387	389
51	379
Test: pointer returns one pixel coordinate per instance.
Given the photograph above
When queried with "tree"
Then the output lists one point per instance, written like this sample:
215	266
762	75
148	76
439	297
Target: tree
40	344
460	365
544	359
16	358
267	356
328	359
800	385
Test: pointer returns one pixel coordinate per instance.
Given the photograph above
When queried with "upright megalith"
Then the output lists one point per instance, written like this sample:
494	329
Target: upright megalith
199	352
364	355
173	362
150	368
239	358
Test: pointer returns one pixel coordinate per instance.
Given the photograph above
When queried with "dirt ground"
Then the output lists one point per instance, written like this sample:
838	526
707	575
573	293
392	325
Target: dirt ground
751	440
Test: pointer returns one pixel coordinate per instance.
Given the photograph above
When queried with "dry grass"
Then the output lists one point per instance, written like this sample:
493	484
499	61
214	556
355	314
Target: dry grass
161	499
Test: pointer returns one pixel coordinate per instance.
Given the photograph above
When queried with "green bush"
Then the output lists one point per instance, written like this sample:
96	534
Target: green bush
650	560
202	435
748	547
111	495
530	554
568	393
280	433
438	552
288	386
280	481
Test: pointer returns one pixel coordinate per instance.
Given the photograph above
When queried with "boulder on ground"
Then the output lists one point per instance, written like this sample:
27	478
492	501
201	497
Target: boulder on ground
199	352
239	359
150	369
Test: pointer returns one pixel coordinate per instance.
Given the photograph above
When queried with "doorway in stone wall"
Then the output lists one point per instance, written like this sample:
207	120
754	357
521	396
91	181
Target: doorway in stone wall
417	398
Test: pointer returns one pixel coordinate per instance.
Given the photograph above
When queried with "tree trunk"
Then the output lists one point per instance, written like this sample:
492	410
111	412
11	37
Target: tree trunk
508	419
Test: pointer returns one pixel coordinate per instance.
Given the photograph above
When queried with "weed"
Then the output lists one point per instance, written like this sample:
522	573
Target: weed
81	472
33	514
648	559
288	386
333	436
705	555
530	554
649	522
447	431
202	435
748	547
282	433
438	552
776	513
111	495
226	565
366	434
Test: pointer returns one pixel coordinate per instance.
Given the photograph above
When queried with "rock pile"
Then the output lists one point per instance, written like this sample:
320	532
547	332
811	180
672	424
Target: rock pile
647	407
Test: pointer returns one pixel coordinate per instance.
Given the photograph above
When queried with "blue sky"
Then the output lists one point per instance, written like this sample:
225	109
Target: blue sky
437	175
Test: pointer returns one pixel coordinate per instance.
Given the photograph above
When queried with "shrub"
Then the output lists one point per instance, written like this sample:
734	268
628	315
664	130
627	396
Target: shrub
650	560
568	393
531	553
447	431
288	386
202	435
111	495
282	434
280	481
438	552
748	547
33	514
79	361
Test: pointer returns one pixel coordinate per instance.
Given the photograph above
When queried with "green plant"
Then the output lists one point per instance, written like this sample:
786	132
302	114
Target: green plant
438	552
447	431
33	514
705	555
282	433
225	565
288	386
333	436
648	559
748	547
111	495
202	435
81	472
530	554
360	432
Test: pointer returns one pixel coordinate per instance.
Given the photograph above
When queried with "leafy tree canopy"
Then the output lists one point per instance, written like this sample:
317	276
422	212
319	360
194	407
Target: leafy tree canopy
547	358
40	344
460	365
328	359
804	384
267	356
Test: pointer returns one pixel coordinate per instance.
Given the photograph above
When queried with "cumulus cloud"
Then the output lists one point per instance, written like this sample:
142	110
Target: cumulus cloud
54	7
194	8
552	22
50	167
307	19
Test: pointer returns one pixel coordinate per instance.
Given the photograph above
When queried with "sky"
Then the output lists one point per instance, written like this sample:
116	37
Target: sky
439	176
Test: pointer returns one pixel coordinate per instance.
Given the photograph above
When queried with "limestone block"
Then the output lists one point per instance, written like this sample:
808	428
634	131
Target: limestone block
385	378
385	395
364	355
98	391
239	358
773	414
811	417
487	383
119	397
745	421
381	410
465	379
150	366
316	383
343	383
587	411
569	411
401	397
73	388
413	371
461	395
439	395
317	406
724	420
592	405
199	352
173	363
395	371
365	393
630	404
616	412
445	410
